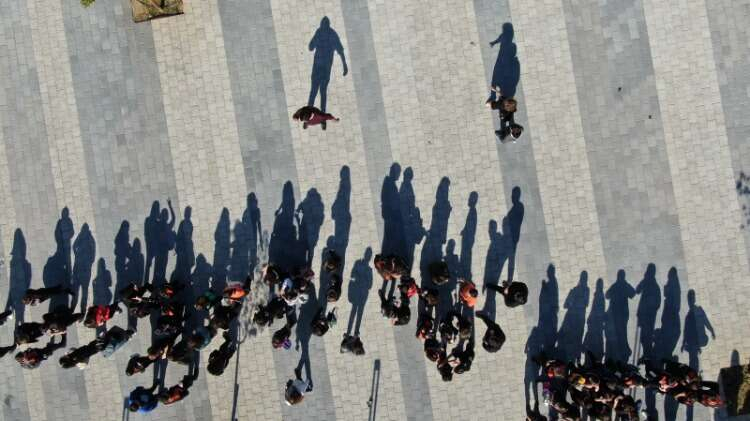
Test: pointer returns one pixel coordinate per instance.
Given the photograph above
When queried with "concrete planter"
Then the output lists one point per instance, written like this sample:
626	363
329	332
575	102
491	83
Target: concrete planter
144	10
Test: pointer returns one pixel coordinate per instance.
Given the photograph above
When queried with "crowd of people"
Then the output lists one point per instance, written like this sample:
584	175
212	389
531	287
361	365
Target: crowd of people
598	389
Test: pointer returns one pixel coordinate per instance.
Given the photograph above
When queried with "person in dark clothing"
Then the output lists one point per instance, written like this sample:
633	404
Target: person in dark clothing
80	356
223	315
180	353
434	349
37	296
142	399
218	360
28	333
276	308
207	300
494	338
272	274
168	325
334	288
143	308
280	338
332	262
58	321
509	128
439	272
133	293
33	357
353	344
321	323
463	359
397	311
138	364
114	339
514	293
445	369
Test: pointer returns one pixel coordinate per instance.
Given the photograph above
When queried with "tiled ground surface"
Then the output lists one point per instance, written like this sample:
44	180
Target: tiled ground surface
636	129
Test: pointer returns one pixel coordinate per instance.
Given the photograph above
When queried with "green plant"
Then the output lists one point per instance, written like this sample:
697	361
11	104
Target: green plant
87	3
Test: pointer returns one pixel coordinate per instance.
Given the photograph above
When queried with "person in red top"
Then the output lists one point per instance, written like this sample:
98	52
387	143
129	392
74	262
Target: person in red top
99	314
467	293
236	291
177	392
312	116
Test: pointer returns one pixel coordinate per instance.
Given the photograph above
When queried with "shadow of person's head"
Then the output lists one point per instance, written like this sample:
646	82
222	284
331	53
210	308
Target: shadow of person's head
473	199
18	251
508	32
395	172
691	298
325	23
515	195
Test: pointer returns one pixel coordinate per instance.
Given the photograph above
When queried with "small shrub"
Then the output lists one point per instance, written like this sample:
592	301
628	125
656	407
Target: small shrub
87	3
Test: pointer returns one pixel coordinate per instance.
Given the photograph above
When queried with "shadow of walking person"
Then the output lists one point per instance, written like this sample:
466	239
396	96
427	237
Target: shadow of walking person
325	42
515	220
507	71
184	248
570	336
102	285
665	342
122	252
648	306
63	237
134	268
542	336
151	237
20	276
390	207
432	249
251	219
341	214
303	332
222	238
694	337
358	290
413	231
313	214
593	341
468	235
493	267
84	251
283	248
618	313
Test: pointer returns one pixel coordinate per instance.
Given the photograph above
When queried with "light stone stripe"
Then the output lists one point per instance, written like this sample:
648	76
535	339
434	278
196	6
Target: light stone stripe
438	125
69	172
565	181
699	161
320	156
203	136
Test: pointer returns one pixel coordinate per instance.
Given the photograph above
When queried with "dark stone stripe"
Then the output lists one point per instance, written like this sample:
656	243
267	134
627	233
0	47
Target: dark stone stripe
259	100
36	207
630	169
11	383
374	126
268	155
126	146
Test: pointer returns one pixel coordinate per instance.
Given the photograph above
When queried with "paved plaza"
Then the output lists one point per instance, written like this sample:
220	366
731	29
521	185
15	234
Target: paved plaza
637	128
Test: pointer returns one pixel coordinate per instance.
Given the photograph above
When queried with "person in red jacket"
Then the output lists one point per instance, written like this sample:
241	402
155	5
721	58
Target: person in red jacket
99	314
312	116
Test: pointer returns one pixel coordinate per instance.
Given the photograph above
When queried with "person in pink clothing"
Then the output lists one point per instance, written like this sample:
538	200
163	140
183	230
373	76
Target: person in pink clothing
311	116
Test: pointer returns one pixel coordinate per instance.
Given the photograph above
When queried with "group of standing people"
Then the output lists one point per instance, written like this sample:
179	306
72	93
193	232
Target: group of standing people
598	389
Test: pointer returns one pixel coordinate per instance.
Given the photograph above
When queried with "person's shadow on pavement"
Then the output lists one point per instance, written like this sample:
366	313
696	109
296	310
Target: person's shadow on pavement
325	42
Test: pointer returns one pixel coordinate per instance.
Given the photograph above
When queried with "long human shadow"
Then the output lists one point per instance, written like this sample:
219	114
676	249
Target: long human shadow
303	332
222	238
20	276
134	266
57	269
665	339
325	43
515	221
468	235
507	70
151	238
313	214
411	217
593	341
648	306
84	251
165	241
102	286
339	241
570	335
694	337
543	336
184	248
251	219
432	249
358	290
616	322
122	253
239	262
283	248
493	266
390	207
